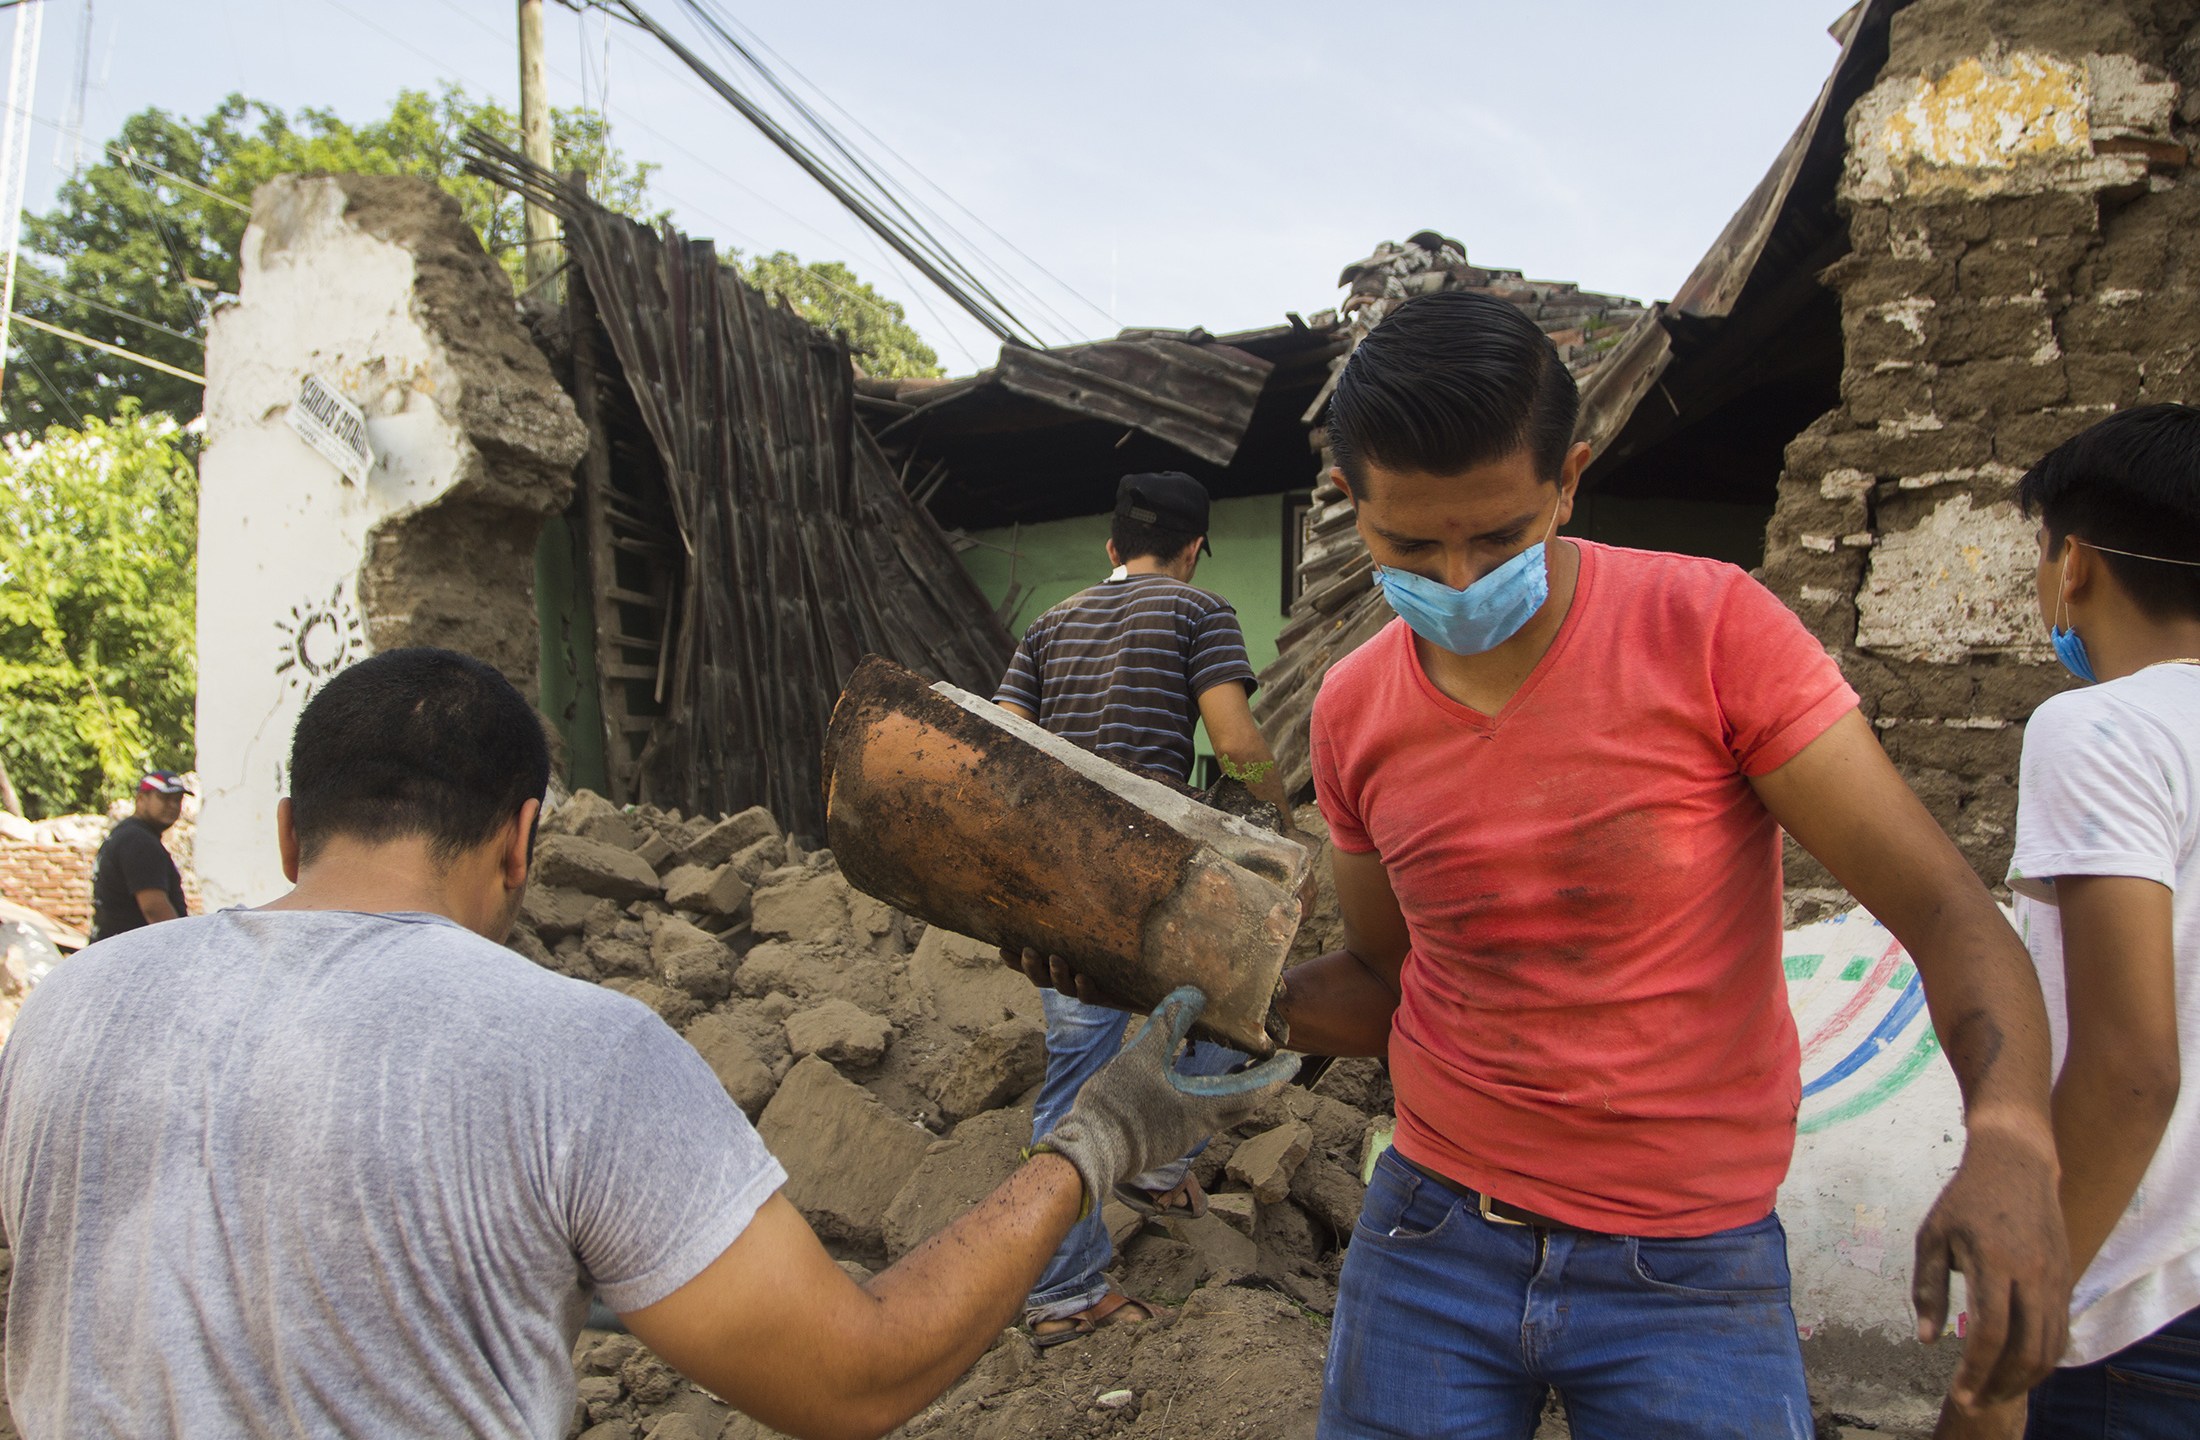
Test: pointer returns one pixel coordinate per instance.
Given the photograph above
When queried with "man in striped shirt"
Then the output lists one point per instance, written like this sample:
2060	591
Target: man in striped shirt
1127	669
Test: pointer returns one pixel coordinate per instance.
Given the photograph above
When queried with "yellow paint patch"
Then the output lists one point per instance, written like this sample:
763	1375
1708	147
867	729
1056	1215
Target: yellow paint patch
1994	114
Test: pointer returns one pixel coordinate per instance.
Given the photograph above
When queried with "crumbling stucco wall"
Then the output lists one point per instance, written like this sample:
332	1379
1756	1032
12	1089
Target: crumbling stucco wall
2023	233
375	286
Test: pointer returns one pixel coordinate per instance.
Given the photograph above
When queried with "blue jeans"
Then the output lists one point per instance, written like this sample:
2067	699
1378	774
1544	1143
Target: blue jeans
1080	1039
2146	1391
1451	1325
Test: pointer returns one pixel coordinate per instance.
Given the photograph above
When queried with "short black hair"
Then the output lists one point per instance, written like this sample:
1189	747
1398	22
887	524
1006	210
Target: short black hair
1135	539
415	742
1450	381
2131	482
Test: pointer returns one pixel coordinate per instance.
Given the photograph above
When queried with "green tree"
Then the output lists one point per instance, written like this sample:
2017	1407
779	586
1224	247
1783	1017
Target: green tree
828	294
98	669
139	244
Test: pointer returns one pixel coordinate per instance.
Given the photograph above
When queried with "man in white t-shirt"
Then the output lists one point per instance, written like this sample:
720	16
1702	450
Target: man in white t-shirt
2106	878
345	1165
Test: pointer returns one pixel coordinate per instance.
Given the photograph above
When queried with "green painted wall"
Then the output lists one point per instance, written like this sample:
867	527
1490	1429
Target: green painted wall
568	673
1061	557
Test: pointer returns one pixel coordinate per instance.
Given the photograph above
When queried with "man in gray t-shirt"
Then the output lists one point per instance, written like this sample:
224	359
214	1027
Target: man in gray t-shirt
343	1165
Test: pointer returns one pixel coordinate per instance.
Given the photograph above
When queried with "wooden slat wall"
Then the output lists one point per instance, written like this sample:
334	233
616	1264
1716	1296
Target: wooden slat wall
800	551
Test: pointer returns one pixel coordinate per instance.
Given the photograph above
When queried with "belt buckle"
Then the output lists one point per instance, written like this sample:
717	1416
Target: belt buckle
1482	1208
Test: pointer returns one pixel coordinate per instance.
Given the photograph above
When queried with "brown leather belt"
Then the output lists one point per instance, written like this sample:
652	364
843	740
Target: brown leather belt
1497	1212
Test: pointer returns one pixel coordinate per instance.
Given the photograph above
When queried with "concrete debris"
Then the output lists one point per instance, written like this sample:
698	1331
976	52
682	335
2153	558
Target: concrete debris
999	1063
1265	1163
595	868
710	892
733	1060
847	1157
1237	1209
718	843
554	912
840	1032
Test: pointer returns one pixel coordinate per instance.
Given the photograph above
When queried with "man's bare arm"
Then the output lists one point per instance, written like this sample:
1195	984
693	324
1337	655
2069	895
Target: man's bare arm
2122	1072
155	906
1999	1221
1228	716
1341	1003
775	1327
1017	710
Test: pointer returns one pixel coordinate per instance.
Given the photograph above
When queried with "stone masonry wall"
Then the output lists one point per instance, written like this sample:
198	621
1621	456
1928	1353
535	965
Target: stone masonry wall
2023	262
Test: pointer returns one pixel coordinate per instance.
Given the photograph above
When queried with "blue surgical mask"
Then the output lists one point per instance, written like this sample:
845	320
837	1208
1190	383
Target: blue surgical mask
1481	617
2069	645
2070	649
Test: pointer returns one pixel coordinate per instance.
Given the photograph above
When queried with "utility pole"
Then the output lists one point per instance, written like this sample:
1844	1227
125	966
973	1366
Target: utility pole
534	140
15	153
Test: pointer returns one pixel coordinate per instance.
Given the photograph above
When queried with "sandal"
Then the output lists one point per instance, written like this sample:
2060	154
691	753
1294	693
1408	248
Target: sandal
1186	1199
1102	1313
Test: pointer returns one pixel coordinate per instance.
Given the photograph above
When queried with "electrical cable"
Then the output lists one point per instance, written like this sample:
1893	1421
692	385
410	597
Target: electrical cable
832	138
33	277
1006	275
76	416
994	316
718	222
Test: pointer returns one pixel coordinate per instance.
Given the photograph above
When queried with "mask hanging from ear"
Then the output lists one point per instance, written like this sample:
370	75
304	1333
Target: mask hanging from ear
2069	646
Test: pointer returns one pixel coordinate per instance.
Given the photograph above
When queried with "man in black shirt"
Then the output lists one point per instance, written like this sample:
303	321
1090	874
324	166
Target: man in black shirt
135	881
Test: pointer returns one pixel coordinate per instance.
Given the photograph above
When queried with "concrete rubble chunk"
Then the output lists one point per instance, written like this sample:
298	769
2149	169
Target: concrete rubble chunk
692	959
847	1157
813	907
1265	1163
1329	1191
963	982
554	912
751	862
1225	1252
708	892
1121	1220
1000	1063
734	1061
717	844
657	850
956	1173
819	906
676	1007
614	955
1236	1207
839	1031
594	868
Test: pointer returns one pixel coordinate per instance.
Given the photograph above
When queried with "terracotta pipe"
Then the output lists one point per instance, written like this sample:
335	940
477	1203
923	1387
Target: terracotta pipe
947	807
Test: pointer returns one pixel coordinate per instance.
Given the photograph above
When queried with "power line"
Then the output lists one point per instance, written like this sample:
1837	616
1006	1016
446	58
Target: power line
161	365
833	140
920	249
76	416
934	186
37	279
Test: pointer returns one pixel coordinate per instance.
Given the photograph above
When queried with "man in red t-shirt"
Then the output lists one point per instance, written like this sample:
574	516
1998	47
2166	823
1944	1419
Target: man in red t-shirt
1556	788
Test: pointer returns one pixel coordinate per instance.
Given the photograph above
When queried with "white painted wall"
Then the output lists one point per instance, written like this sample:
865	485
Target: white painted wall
1880	1132
282	534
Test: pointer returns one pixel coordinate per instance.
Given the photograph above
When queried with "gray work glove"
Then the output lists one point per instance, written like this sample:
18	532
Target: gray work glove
1138	1113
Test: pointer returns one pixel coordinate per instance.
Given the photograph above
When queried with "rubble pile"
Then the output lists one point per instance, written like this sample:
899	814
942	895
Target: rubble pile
891	1067
1581	323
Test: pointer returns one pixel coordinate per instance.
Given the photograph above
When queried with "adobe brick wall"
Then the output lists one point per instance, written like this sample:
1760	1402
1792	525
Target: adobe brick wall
2000	296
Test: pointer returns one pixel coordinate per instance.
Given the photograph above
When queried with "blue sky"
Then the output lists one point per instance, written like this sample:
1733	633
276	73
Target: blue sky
1175	164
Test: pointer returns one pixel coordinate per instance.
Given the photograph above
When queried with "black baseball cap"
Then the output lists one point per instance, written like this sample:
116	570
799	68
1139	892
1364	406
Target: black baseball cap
1167	500
166	782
